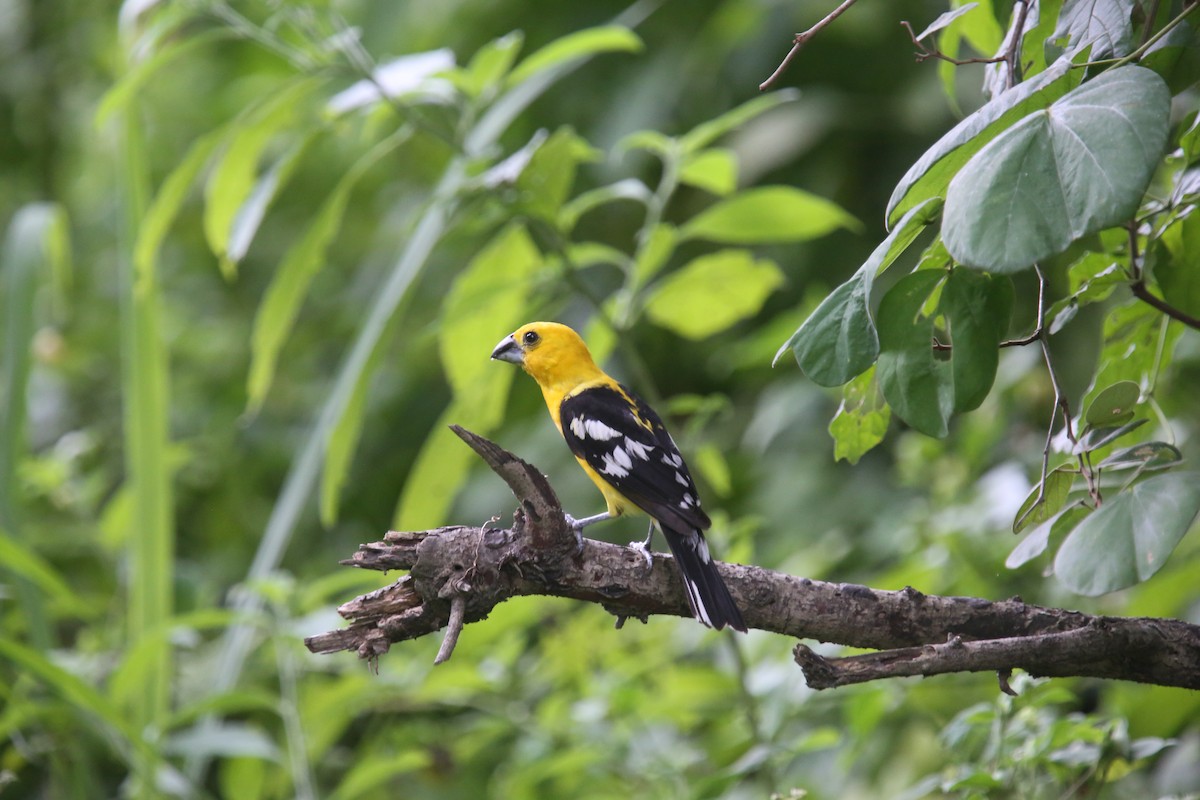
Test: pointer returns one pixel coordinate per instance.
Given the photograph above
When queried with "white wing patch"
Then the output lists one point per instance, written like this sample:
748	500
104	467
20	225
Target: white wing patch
617	463
672	460
584	427
682	481
638	450
688	501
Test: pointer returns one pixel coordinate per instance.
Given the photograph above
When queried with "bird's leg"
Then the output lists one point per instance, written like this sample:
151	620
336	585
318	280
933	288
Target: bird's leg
644	547
577	525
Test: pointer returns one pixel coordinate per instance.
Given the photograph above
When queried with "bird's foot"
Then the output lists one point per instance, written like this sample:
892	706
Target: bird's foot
576	526
644	549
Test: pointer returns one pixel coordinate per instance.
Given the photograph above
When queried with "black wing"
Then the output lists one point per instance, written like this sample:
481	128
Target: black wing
621	437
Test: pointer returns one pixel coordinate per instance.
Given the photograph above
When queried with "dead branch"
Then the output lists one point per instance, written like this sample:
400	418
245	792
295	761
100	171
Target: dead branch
464	572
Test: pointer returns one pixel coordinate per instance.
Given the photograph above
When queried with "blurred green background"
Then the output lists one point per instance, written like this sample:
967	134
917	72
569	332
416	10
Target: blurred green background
171	532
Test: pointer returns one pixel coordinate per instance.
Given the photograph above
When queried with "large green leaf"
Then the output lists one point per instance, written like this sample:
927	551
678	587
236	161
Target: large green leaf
1105	26
838	340
768	214
1130	537
917	384
1059	174
930	176
977	307
712	292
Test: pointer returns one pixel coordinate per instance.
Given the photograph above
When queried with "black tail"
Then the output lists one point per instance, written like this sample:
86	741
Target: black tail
706	593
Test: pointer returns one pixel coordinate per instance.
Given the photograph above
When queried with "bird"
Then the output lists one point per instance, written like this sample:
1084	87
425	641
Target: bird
623	446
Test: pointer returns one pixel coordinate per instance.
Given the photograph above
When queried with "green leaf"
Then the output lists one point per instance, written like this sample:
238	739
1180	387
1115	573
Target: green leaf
917	385
1130	537
977	307
861	421
1176	57
1104	25
1034	49
1178	275
712	292
707	132
1144	456
577	45
1113	402
485	303
931	175
1096	438
981	28
250	216
714	170
277	313
1059	174
546	180
1189	142
626	189
651	141
343	438
490	64
1136	339
1037	540
768	215
838	340
167	202
653	255
944	19
1037	509
233	178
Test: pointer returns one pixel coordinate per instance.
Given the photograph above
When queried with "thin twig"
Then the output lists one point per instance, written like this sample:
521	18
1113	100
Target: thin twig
1142	293
1012	58
1039	329
1148	31
925	52
800	40
1140	290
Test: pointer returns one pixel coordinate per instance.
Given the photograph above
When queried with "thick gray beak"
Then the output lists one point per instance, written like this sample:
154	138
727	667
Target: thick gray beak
508	350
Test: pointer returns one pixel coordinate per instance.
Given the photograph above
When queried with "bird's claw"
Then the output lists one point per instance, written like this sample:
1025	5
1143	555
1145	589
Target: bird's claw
576	528
641	547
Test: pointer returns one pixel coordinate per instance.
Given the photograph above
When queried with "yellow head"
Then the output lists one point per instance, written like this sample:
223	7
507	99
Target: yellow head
550	352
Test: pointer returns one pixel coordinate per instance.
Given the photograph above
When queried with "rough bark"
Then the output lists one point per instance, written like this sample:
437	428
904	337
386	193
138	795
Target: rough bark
469	570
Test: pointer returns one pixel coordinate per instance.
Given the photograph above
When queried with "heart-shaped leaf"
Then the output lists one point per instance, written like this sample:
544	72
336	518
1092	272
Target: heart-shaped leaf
1129	538
1072	169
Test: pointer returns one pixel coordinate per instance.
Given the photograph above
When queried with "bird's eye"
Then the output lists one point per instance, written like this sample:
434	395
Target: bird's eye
530	337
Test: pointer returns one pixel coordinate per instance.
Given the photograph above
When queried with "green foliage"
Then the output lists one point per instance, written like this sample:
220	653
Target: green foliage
1062	168
319	226
1024	747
